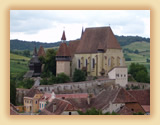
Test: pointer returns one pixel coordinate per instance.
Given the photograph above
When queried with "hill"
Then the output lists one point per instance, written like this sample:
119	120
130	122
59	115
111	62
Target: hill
29	45
18	64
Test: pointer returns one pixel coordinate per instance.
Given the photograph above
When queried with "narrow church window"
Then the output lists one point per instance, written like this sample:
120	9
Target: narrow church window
79	64
86	63
109	62
93	63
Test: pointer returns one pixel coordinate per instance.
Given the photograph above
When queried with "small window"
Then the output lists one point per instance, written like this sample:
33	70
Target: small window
86	62
36	102
109	62
70	113
79	64
40	105
124	75
132	109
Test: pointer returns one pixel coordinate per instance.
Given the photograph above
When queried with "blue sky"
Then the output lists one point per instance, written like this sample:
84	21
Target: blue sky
48	25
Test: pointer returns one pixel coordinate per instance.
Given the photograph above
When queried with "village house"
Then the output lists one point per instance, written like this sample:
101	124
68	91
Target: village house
31	100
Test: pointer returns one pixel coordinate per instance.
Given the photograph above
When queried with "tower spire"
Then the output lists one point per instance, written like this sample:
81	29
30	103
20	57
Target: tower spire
63	36
82	32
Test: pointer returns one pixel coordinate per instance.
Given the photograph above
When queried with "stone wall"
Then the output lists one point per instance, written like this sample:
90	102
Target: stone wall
20	93
94	87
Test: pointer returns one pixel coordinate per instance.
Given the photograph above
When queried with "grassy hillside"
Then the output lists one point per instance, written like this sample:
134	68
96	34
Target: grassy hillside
18	64
140	57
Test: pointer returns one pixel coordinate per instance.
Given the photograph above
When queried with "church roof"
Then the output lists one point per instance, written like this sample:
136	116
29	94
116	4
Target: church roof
63	36
34	58
41	51
89	42
73	46
63	50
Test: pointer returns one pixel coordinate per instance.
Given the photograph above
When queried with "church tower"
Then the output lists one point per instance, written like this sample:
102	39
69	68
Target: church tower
63	57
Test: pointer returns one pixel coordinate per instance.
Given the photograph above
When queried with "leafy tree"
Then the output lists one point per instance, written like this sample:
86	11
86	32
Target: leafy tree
28	83
50	61
136	51
12	91
79	75
139	72
62	78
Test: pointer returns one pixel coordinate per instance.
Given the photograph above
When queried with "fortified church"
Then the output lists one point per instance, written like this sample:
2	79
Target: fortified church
97	52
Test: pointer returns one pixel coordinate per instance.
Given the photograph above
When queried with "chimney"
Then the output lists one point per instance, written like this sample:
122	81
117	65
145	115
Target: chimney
53	95
89	99
54	107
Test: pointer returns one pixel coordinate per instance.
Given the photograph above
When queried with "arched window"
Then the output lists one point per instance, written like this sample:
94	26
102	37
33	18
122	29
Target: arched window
120	62
109	61
86	63
78	64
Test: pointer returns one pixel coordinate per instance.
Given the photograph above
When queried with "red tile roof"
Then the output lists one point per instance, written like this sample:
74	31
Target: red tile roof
92	36
41	51
45	97
125	111
63	36
32	92
61	105
78	95
142	96
13	110
73	46
63	50
146	108
123	97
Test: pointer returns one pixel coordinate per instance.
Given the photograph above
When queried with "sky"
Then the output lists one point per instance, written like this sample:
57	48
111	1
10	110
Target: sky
48	25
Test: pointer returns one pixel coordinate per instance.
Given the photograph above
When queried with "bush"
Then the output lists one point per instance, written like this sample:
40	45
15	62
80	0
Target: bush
62	78
28	83
78	75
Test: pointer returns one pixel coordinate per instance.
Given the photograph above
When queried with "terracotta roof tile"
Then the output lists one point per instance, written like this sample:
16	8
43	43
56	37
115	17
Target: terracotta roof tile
41	51
63	50
78	95
13	110
92	36
125	111
32	92
123	97
73	46
142	96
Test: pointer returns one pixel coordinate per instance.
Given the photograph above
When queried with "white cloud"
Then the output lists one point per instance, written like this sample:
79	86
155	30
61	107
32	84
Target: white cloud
47	25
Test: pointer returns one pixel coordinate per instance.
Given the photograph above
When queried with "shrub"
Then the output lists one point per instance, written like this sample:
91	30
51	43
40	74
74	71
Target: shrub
78	75
62	78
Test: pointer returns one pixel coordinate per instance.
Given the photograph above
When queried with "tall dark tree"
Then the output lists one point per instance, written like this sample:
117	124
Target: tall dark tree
50	61
13	91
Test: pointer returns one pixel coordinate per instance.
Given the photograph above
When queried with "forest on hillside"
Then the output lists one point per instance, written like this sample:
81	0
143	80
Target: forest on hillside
29	45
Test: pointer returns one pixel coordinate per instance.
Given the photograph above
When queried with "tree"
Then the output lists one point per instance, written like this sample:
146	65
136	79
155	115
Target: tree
12	91
79	75
62	78
28	83
139	72
50	61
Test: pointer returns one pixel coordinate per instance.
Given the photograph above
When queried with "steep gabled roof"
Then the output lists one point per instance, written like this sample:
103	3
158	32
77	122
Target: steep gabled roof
123	97
63	50
92	36
142	96
13	110
73	46
41	51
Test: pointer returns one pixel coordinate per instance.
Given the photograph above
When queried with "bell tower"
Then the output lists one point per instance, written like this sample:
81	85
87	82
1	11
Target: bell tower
63	57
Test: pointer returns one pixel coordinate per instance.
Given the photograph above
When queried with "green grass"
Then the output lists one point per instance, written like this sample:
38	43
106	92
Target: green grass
18	64
144	53
140	46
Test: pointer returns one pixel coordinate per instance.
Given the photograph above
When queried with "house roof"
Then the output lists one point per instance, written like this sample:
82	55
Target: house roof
45	97
142	96
123	97
61	105
13	110
125	111
146	108
77	95
63	50
93	36
41	51
73	46
32	92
